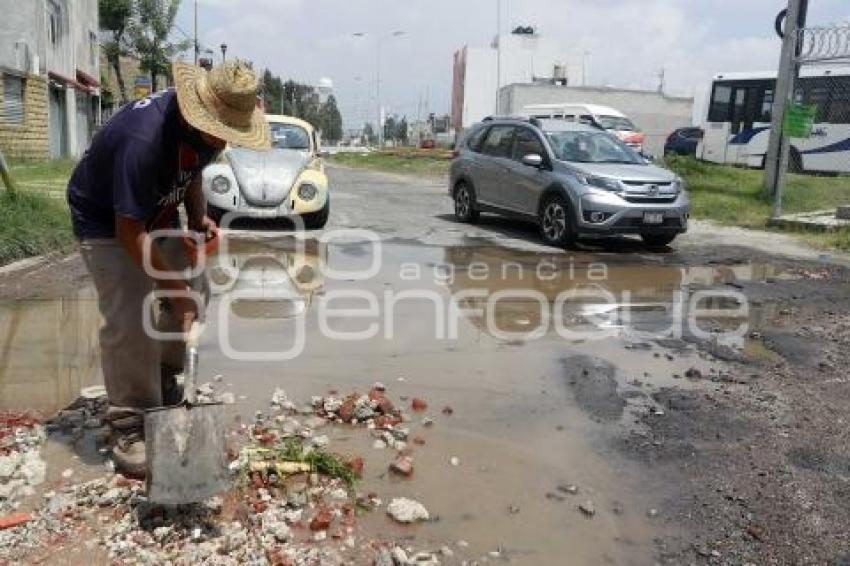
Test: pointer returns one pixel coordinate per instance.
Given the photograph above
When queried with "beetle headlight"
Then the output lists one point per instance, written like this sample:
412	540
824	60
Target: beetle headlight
307	191
220	184
599	182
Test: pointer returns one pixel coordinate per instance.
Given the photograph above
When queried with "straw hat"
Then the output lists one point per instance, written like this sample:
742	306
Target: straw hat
222	102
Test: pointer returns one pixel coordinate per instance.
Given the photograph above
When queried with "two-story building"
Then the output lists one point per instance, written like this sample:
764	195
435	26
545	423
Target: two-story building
49	77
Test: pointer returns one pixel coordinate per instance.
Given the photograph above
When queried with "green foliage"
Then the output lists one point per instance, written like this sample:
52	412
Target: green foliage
321	461
301	101
401	130
32	224
733	195
115	18
410	163
369	134
151	24
330	120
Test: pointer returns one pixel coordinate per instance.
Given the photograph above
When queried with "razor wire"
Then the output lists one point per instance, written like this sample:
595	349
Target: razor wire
824	43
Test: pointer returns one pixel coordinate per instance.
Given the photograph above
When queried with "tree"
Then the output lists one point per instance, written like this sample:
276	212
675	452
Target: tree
151	23
115	18
390	128
401	130
369	134
331	120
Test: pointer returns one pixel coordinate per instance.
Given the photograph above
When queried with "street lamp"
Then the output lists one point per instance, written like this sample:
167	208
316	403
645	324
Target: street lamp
223	52
379	39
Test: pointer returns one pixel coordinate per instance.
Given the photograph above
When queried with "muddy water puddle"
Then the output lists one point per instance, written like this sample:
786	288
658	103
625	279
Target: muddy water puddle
541	357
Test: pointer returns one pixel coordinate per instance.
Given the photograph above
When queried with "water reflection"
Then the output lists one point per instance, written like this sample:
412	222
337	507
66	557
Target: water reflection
272	279
586	298
48	351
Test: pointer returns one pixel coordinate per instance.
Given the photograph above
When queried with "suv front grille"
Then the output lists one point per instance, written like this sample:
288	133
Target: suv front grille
640	199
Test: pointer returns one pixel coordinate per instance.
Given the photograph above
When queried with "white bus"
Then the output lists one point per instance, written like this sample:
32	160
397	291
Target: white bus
738	114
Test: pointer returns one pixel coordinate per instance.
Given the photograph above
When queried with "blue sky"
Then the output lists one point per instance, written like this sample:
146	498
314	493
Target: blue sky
628	40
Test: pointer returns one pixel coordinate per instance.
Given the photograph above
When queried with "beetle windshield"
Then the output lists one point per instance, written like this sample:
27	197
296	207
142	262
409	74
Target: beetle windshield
289	136
591	147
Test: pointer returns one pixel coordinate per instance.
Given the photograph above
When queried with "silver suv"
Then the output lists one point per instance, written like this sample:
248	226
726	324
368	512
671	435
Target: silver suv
569	178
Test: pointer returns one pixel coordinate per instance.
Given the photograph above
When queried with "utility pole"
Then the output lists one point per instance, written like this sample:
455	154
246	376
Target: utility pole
776	160
498	52
197	47
379	39
661	76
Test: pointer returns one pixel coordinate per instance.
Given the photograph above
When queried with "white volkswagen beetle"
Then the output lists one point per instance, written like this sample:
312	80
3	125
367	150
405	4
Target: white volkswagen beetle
287	181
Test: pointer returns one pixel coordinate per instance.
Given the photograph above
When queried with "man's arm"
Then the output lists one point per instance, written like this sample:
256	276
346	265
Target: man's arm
196	209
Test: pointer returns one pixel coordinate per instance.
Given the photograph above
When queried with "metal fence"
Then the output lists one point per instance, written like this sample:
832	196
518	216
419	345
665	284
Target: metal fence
815	125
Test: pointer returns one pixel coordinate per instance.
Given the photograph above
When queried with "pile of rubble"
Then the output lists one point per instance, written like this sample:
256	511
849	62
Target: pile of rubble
21	466
293	501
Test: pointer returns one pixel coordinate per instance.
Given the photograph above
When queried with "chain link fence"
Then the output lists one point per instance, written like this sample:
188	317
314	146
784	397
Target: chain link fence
817	126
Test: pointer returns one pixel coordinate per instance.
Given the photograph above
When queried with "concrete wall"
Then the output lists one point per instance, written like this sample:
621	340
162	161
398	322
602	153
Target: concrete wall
524	58
656	114
30	139
20	37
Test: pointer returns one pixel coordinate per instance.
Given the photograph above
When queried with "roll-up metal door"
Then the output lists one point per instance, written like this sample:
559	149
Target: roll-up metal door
13	100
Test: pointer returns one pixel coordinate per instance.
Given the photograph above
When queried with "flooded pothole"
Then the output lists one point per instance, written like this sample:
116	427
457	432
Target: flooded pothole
540	356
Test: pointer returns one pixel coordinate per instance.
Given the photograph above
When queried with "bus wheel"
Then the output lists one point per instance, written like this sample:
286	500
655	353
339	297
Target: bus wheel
795	161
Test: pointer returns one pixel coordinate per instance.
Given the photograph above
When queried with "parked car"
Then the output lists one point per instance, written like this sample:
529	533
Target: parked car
287	181
569	178
605	117
683	141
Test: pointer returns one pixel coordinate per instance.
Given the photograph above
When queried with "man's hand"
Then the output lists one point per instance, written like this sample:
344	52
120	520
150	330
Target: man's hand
208	227
184	309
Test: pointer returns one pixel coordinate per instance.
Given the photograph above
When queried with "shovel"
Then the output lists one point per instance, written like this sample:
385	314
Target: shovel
184	443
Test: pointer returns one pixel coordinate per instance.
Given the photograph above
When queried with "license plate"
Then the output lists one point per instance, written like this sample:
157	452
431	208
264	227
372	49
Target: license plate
653	217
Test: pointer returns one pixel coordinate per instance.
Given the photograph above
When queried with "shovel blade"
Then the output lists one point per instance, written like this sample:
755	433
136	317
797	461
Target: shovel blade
186	455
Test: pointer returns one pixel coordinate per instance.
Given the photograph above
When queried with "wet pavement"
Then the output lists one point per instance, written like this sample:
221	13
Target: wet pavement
537	384
546	358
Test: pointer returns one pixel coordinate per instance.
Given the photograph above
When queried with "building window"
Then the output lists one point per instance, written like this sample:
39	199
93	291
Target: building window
54	22
13	100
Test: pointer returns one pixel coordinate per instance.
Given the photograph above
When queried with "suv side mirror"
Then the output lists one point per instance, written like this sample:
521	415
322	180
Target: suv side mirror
648	158
533	160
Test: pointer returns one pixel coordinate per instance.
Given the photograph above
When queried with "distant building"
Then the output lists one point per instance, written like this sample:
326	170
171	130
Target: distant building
656	114
49	72
526	57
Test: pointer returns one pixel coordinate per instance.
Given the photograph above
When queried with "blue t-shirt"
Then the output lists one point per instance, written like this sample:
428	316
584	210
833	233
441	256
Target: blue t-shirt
139	165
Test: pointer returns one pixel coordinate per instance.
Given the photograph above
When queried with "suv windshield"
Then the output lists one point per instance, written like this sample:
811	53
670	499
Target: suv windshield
591	147
289	136
616	123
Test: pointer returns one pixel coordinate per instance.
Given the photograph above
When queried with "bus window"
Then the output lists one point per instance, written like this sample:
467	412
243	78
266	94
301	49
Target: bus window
739	109
766	114
719	109
839	107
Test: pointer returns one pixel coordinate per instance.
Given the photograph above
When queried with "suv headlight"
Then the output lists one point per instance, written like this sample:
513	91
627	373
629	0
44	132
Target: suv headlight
599	182
679	184
220	184
307	191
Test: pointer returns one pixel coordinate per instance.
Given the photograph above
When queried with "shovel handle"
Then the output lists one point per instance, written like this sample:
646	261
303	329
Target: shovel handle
190	363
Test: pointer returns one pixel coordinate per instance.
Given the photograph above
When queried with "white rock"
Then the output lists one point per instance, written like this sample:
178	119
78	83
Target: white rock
228	398
67	473
454	461
406	510
379	444
399	556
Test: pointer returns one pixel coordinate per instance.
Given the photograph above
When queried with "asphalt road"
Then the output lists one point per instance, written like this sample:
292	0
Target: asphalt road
597	410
